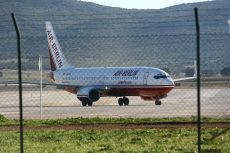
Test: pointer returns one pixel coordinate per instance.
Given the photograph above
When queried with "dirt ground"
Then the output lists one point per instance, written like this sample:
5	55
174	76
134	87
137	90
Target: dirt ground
167	125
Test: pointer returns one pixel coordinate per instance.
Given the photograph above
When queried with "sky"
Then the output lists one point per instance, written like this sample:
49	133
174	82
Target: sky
142	4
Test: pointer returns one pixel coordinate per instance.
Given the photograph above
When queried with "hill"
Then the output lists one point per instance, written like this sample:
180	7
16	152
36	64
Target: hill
95	35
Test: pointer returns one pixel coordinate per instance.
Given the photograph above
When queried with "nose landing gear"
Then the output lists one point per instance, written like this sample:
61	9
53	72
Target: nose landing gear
158	102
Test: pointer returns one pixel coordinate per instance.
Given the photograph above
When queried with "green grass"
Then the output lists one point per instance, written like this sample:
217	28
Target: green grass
98	120
114	140
120	141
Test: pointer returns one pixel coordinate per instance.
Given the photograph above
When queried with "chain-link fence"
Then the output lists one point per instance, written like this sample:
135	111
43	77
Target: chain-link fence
107	41
165	40
118	42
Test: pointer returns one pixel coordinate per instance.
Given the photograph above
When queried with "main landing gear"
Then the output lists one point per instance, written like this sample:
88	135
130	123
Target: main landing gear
86	102
123	101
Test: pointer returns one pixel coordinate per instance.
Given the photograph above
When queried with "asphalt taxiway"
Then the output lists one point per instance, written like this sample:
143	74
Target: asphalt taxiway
215	102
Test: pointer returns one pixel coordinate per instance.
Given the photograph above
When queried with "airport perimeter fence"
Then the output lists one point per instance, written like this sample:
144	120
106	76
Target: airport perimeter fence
165	40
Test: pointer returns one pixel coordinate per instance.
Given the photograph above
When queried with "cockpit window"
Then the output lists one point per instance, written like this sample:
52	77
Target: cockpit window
160	76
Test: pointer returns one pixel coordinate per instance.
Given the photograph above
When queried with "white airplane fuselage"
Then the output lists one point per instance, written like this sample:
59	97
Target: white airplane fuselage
118	81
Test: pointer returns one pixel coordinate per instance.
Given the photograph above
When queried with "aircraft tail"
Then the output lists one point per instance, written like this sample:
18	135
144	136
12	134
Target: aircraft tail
57	58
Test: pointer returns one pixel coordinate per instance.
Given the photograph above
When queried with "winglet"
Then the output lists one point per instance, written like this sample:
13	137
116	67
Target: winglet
195	69
189	78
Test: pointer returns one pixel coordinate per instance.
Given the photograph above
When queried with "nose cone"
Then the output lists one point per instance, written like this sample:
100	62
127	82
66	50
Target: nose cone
171	82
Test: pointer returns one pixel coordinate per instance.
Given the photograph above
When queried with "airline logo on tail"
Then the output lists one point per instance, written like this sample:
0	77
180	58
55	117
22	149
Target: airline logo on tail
54	49
57	59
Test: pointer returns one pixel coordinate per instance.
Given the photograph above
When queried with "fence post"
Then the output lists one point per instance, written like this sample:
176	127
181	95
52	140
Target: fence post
19	82
198	79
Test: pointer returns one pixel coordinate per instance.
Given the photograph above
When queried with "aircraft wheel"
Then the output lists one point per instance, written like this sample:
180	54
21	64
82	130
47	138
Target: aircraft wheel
120	101
126	101
90	103
84	103
157	102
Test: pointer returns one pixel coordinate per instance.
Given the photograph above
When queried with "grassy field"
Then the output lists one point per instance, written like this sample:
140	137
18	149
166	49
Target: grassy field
144	140
118	140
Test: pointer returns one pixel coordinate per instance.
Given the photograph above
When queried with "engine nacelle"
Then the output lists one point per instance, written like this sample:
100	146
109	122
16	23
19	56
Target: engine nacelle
90	93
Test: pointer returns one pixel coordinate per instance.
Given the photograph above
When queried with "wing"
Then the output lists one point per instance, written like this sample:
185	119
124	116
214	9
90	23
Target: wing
188	78
184	79
24	83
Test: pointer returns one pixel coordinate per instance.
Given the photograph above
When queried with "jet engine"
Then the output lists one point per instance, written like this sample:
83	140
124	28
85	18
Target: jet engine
90	93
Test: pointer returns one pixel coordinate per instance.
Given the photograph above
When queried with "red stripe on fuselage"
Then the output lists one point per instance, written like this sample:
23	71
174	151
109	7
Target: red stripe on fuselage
144	91
152	91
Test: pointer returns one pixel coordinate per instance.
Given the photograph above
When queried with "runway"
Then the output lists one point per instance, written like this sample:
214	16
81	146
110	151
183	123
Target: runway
215	102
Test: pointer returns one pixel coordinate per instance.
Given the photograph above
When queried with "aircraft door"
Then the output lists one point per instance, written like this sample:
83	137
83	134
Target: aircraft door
145	78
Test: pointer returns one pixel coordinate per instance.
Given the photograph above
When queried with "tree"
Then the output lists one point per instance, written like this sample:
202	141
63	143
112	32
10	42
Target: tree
207	73
225	72
1	74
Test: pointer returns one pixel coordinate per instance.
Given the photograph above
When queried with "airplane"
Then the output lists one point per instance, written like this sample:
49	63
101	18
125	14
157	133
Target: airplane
89	84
